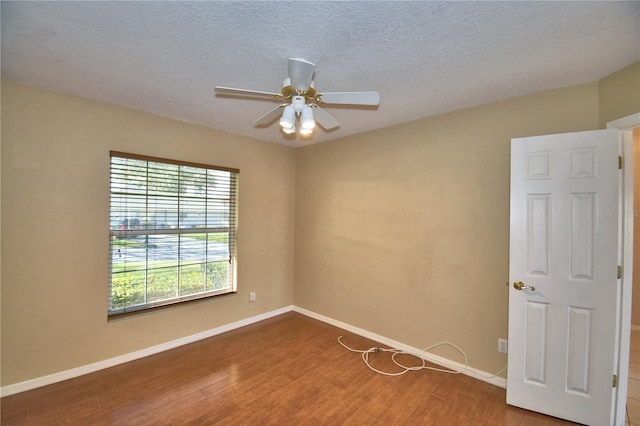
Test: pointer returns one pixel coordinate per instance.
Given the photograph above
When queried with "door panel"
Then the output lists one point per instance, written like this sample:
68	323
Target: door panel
536	339
539	229
564	248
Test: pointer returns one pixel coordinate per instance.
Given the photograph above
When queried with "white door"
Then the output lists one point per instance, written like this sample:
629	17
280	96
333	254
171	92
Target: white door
564	250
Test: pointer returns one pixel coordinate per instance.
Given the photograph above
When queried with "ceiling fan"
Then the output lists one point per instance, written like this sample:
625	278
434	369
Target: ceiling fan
302	102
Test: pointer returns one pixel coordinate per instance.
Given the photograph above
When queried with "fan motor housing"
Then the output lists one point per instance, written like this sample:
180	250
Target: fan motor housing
288	91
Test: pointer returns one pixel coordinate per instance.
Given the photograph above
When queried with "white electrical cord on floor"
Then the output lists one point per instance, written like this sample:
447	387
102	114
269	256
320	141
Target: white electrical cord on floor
395	352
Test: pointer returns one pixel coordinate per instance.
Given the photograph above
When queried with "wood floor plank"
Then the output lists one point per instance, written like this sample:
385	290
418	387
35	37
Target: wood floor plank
287	370
634	365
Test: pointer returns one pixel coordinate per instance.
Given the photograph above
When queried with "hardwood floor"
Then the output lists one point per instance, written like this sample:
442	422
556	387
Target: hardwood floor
633	390
288	370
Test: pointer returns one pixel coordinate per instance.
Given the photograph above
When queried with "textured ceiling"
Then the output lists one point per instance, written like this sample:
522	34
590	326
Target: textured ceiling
425	58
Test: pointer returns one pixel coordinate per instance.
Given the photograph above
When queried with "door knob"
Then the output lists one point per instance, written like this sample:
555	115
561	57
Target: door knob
519	285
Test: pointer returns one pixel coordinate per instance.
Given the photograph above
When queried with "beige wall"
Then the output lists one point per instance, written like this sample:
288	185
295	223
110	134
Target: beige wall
55	203
404	231
619	94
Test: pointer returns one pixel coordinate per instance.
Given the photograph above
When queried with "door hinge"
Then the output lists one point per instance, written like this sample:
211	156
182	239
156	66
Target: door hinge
620	162
619	272
615	381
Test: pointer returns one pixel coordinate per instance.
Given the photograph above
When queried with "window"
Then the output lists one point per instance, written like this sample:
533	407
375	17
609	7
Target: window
172	232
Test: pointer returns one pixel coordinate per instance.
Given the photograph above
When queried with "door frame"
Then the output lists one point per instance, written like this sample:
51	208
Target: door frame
626	126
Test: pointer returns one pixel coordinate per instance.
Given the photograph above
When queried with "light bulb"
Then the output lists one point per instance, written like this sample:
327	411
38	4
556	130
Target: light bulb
307	118
288	117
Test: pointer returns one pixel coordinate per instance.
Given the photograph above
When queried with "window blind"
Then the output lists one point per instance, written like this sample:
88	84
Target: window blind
172	232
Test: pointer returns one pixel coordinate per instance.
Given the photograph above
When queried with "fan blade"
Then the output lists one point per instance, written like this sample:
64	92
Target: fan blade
245	92
270	116
325	119
300	73
352	98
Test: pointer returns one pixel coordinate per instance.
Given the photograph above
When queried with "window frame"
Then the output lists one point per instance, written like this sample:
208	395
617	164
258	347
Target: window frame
180	230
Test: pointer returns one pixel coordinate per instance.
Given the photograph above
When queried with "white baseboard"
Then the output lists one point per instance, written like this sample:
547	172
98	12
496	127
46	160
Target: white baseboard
111	362
469	371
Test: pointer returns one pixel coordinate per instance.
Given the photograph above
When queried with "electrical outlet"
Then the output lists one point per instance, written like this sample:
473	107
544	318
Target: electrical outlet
503	346
252	296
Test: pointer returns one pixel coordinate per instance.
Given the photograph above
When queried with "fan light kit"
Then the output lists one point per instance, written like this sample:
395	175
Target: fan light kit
302	110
